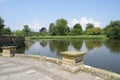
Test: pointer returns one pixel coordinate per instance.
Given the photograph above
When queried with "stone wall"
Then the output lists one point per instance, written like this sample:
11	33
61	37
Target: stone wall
104	74
12	41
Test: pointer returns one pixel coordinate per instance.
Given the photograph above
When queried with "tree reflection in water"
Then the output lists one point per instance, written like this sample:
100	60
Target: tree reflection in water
58	45
43	43
91	44
113	45
77	44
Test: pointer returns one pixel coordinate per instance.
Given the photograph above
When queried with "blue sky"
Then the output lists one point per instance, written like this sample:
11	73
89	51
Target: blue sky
40	13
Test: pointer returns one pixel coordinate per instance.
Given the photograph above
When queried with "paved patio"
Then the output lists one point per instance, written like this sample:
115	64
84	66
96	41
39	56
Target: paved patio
20	68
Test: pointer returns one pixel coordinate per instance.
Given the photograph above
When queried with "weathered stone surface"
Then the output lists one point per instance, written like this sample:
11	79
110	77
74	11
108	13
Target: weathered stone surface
9	51
106	75
30	68
71	60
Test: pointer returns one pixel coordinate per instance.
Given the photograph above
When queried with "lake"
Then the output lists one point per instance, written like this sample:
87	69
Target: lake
100	53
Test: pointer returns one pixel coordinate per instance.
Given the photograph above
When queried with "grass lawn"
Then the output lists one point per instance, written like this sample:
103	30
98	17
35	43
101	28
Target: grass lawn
72	37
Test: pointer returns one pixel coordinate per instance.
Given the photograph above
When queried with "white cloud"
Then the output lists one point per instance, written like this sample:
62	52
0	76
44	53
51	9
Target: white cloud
35	26
84	20
75	21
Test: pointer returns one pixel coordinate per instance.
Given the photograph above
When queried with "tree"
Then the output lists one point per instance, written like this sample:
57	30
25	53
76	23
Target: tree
113	29
26	30
61	27
94	31
1	25
77	29
18	33
97	31
52	29
6	31
43	31
89	26
77	26
75	32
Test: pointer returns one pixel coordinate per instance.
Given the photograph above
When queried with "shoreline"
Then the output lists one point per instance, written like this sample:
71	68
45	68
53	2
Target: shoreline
103	37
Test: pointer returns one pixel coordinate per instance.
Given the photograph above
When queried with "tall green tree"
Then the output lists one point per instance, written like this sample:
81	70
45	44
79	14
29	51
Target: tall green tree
90	26
88	29
1	25
77	26
26	30
52	29
77	29
113	29
97	31
6	31
61	27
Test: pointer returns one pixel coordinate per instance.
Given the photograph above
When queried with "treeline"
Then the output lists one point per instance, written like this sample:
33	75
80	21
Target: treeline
61	28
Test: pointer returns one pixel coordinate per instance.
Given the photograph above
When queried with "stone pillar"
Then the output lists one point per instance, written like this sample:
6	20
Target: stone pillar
8	51
71	60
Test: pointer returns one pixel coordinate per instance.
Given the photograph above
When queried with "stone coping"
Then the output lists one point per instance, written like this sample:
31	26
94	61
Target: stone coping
73	53
38	57
104	74
7	47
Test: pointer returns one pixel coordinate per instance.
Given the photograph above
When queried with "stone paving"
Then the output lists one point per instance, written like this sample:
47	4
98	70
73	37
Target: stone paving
18	68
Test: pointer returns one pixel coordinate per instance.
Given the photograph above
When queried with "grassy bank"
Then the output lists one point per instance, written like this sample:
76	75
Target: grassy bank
72	37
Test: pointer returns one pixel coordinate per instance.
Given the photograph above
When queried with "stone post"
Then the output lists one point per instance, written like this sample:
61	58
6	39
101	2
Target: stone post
8	51
71	60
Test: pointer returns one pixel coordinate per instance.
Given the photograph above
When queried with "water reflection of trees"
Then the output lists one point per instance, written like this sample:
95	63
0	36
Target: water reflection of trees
77	44
58	45
113	45
43	43
91	44
21	50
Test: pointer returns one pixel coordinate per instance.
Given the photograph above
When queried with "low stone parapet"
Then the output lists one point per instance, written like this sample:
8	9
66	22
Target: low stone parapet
104	74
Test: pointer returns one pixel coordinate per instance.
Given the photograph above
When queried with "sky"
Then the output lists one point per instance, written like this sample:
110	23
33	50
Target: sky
40	13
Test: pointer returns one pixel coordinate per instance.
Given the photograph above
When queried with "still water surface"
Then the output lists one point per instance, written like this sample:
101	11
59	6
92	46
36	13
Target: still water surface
101	54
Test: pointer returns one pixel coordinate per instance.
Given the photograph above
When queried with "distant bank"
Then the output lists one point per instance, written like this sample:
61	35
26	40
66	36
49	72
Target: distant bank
104	37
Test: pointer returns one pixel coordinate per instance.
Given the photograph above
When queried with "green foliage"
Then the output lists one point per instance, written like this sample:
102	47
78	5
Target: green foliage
77	26
76	32
1	25
97	31
89	32
94	31
6	31
18	33
60	28
43	31
72	37
26	30
113	29
52	29
90	26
